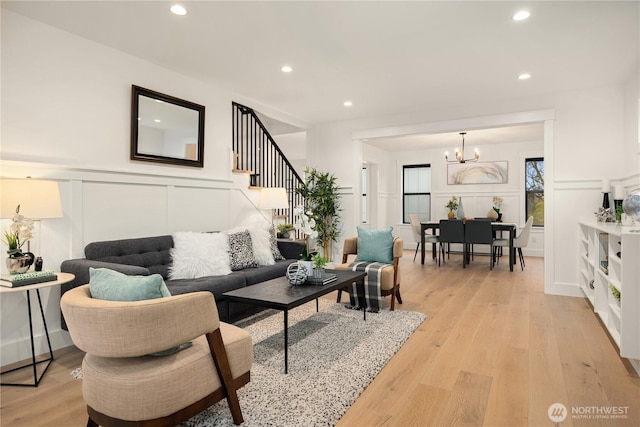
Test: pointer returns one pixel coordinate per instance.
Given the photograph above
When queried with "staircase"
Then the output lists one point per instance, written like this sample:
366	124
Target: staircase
256	153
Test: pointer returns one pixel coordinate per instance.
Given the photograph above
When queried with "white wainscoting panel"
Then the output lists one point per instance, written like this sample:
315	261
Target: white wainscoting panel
198	209
119	211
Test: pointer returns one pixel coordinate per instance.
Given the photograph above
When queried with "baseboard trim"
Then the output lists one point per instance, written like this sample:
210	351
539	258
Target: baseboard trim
20	350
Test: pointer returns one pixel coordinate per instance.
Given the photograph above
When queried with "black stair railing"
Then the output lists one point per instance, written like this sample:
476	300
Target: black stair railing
256	151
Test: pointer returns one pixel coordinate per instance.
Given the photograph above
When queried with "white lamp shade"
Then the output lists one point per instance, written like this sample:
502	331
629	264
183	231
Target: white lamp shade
273	198
38	199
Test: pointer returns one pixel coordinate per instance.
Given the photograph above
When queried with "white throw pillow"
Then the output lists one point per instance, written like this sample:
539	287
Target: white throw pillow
198	255
261	240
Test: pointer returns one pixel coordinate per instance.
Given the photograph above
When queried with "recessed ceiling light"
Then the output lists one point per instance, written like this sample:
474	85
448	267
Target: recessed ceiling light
286	69
347	103
178	10
524	76
521	15
157	120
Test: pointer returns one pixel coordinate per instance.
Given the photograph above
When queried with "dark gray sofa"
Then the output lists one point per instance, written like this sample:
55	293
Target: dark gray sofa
151	255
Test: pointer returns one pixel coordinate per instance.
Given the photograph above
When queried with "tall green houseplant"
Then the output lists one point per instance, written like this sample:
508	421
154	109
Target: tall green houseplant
321	197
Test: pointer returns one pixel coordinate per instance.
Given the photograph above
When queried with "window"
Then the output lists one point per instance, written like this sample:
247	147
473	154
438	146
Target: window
534	189
364	195
416	192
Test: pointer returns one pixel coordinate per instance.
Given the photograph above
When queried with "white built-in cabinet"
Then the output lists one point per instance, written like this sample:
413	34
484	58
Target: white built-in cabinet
610	258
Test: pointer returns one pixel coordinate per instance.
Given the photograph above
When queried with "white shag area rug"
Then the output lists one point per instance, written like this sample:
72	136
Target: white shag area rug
333	356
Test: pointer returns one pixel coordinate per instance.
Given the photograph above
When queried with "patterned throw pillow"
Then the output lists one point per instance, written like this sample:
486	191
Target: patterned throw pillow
277	256
241	251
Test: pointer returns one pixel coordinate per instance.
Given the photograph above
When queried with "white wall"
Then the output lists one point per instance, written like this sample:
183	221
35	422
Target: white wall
584	143
66	105
294	147
66	109
477	199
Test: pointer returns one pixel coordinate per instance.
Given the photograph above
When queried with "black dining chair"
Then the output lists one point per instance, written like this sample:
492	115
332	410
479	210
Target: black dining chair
480	233
451	231
478	218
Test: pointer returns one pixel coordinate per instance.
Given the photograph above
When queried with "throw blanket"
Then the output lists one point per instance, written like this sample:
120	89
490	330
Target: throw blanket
367	297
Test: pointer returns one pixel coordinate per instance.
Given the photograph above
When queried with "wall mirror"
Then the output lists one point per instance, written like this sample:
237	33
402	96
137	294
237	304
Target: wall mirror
166	129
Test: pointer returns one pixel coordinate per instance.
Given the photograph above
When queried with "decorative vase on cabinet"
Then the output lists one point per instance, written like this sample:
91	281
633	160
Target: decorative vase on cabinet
460	212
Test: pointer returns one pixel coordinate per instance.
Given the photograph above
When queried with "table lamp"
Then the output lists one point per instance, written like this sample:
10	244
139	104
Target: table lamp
273	198
38	199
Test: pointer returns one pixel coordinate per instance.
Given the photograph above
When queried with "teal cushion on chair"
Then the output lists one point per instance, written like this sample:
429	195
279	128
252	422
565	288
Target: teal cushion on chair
106	284
375	245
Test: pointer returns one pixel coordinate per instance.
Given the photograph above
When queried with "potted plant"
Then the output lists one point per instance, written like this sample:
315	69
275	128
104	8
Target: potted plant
306	225
284	230
19	233
319	263
497	204
322	202
616	294
452	205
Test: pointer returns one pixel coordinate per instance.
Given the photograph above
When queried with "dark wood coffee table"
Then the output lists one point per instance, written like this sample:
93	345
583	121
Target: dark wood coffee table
281	295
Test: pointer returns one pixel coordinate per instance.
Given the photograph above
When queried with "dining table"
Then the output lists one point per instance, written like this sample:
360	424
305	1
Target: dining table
510	227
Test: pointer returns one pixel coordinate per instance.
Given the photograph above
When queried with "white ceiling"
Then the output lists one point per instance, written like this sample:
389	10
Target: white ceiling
388	58
473	138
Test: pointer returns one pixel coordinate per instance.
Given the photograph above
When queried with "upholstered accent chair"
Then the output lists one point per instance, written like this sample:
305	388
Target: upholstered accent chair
124	384
390	279
416	229
521	241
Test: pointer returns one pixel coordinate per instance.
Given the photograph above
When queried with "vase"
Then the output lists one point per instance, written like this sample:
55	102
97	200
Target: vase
460	212
19	263
308	266
451	215
492	214
318	273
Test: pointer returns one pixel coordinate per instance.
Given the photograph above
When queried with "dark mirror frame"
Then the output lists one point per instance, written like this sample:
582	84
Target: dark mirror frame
136	154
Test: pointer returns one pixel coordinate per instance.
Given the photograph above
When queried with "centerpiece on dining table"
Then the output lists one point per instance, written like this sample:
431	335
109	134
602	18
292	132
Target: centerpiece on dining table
453	206
494	213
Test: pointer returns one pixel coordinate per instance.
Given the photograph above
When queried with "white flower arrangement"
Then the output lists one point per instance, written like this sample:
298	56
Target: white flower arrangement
19	233
306	224
497	203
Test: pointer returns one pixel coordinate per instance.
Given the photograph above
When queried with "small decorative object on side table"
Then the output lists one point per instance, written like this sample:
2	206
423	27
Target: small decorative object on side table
284	230
19	233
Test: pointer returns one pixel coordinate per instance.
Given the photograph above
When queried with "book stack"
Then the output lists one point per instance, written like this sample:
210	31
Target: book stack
16	280
327	278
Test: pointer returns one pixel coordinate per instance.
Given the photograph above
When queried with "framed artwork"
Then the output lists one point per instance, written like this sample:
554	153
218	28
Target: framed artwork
478	173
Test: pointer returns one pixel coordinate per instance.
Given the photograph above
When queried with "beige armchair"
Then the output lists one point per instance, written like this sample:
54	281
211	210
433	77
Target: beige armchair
390	280
124	385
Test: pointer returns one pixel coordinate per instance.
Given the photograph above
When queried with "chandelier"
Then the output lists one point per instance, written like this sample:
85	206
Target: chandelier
460	154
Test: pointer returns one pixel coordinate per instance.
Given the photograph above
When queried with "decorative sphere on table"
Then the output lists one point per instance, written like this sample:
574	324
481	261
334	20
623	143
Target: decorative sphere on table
297	273
631	204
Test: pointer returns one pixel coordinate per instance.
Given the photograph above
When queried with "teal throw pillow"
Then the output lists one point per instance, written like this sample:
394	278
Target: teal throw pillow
106	284
375	245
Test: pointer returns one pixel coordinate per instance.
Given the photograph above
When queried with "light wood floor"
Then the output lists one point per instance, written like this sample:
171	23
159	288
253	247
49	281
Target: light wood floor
494	351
